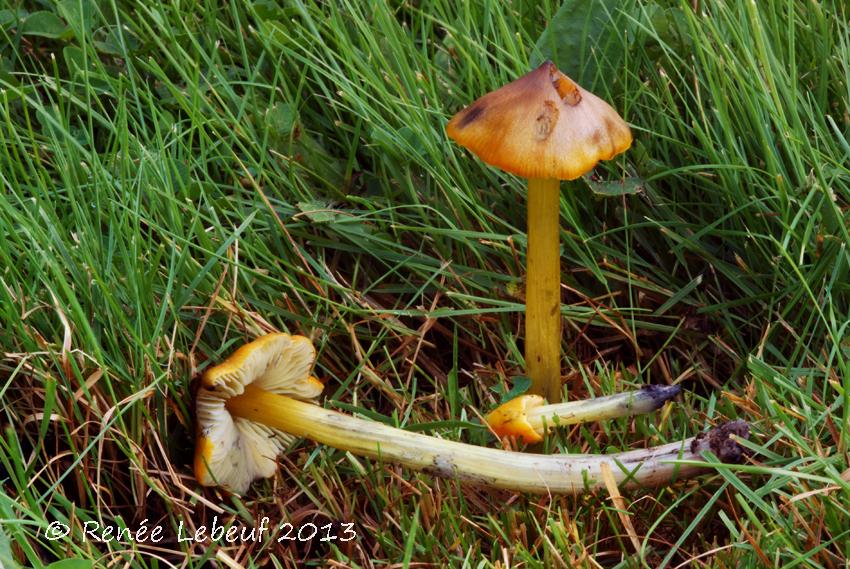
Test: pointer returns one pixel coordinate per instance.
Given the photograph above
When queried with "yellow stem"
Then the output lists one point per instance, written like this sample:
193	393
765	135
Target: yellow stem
566	474
543	290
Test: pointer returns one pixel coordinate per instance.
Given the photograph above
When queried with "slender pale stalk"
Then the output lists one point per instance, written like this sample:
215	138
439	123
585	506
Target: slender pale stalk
565	474
624	404
527	417
543	290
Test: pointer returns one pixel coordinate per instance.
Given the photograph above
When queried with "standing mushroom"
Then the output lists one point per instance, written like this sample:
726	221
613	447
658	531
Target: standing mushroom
545	128
250	406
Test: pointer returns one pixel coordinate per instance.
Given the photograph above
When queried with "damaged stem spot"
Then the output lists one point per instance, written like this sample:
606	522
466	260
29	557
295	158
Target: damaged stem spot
722	441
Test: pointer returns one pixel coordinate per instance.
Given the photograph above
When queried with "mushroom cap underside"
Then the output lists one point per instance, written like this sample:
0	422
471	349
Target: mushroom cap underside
233	451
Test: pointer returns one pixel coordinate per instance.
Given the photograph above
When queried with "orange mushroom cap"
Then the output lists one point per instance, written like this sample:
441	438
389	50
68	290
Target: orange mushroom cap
543	125
511	419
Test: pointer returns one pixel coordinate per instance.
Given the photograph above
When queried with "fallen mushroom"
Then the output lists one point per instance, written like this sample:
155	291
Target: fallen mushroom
249	407
528	418
546	128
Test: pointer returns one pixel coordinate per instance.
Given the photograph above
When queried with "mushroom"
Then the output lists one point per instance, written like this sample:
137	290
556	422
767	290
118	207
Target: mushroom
250	406
528	418
546	128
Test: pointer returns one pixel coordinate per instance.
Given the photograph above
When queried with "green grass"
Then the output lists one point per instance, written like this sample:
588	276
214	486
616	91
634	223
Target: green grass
178	178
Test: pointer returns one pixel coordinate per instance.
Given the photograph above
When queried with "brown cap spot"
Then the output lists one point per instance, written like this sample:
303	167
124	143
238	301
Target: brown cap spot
546	120
543	125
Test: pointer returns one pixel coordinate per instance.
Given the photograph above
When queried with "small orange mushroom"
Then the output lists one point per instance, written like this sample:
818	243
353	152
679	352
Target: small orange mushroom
528	418
546	128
